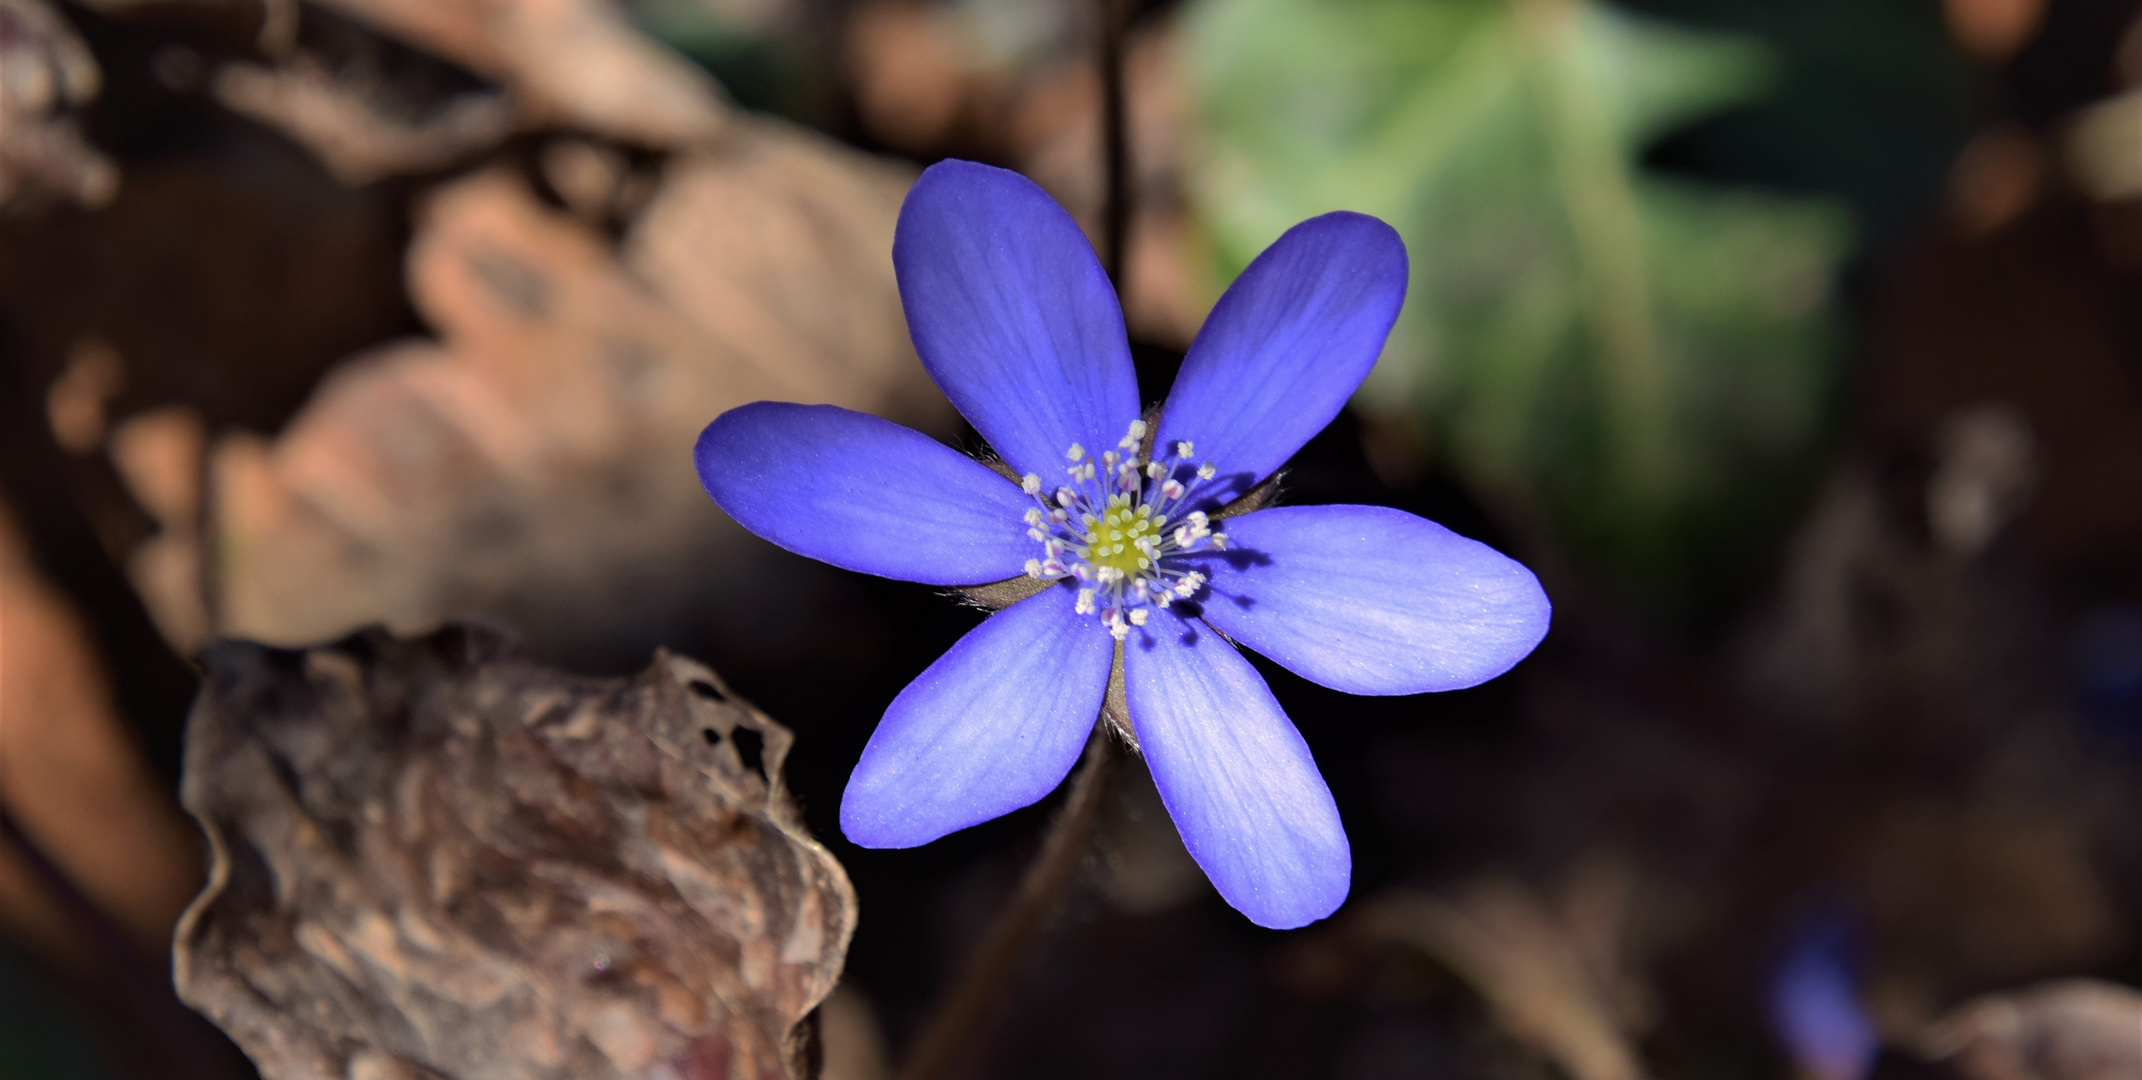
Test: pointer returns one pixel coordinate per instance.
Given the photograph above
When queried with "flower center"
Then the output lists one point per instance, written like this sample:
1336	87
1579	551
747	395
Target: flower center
1110	528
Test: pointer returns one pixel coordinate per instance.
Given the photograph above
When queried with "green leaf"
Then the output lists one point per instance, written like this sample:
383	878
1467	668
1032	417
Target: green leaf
1634	358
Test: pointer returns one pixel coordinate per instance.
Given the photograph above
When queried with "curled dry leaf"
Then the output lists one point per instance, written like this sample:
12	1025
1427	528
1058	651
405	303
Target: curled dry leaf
434	857
534	467
46	74
2078	1029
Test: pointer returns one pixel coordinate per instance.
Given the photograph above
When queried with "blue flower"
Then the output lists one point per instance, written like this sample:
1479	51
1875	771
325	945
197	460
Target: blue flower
1815	1004
1117	525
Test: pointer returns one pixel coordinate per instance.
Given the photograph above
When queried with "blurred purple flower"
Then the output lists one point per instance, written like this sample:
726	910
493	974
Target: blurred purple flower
1814	1000
1016	321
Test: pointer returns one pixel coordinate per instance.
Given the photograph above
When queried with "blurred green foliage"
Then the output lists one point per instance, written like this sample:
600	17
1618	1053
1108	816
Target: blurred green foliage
1634	362
764	63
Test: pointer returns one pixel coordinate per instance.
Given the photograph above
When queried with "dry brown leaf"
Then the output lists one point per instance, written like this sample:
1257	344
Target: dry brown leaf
357	141
1538	971
1993	30
46	75
2078	1029
436	858
77	401
159	455
535	466
576	63
128	849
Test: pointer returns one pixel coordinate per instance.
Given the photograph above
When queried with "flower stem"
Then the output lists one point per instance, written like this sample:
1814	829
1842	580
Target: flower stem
1115	144
950	1032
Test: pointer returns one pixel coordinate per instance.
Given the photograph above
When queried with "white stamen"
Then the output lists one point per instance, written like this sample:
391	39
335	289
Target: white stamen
1113	533
1136	436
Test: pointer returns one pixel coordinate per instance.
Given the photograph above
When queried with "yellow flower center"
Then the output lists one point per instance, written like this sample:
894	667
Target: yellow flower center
1116	540
1118	547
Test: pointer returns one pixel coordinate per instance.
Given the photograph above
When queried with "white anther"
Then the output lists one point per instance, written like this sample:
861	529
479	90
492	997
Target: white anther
1207	471
1032	517
1183	449
1033	568
1138	616
1171	490
1085	602
1076	452
1155	471
1219	541
1037	534
1031	484
1065	497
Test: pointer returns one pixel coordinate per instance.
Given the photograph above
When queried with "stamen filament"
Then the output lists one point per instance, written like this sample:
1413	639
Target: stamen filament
1119	537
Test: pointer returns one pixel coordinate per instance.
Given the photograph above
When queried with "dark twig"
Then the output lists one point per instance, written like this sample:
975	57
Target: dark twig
1115	145
952	1029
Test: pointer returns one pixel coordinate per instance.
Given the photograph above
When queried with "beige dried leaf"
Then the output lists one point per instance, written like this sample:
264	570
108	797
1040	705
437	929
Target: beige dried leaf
575	63
1537	971
46	75
2075	1029
534	465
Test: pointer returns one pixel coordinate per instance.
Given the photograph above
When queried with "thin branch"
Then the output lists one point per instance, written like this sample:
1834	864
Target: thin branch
1115	146
951	1031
